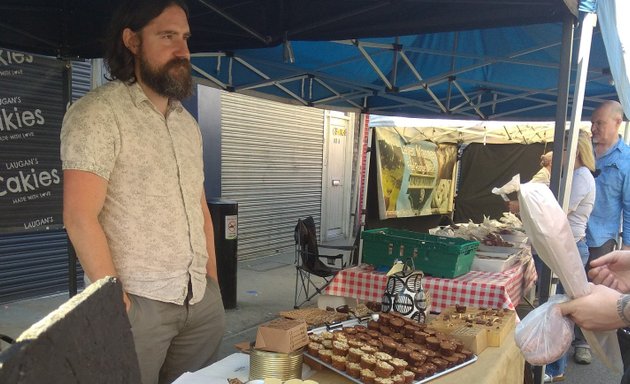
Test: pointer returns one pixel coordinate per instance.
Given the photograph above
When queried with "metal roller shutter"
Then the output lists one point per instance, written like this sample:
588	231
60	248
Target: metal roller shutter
36	263
271	164
33	264
81	78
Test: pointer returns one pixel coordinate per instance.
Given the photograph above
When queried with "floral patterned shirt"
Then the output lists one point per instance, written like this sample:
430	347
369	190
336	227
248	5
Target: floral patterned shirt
152	213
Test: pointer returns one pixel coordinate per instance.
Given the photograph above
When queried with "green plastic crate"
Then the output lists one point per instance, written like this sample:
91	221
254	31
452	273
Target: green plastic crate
434	255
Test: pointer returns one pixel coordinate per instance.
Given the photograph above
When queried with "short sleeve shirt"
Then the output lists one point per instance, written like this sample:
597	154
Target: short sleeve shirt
152	214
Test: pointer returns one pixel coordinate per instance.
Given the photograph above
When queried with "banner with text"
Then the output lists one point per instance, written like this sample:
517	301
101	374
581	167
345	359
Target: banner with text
31	110
414	178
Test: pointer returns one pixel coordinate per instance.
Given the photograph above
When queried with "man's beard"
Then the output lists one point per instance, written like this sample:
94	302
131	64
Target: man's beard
174	86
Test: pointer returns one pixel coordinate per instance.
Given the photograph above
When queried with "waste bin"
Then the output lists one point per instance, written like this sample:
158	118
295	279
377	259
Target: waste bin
225	222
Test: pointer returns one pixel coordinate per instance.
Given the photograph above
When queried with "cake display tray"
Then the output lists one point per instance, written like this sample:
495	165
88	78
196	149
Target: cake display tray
425	380
352	322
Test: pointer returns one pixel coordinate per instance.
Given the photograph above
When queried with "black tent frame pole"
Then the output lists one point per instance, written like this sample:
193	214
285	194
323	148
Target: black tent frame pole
72	255
564	77
562	105
72	270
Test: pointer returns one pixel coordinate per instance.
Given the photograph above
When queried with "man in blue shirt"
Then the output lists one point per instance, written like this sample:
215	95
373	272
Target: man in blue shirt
612	159
612	200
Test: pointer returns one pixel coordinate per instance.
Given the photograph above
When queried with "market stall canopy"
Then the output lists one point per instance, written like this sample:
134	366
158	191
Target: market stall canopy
75	28
508	73
467	59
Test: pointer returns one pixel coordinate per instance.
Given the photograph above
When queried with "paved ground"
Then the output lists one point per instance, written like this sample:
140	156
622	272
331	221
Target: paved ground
265	287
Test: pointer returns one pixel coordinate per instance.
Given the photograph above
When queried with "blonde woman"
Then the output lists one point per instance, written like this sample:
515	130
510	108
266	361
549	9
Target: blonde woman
582	191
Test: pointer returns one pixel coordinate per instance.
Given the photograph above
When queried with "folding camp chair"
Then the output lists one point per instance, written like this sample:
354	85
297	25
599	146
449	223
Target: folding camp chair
6	339
312	274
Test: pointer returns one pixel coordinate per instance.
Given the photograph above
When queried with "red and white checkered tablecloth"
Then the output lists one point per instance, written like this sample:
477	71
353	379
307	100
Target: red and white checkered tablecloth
474	289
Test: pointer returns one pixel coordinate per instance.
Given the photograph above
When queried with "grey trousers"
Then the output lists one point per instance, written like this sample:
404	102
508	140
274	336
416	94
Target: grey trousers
171	339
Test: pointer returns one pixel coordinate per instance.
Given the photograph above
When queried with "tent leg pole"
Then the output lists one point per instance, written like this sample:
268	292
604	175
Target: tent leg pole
562	103
583	55
561	119
365	122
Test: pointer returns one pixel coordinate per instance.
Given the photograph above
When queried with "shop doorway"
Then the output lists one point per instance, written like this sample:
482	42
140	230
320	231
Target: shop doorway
337	175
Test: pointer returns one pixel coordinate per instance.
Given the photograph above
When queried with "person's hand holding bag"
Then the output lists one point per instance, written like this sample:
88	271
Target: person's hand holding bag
593	311
548	228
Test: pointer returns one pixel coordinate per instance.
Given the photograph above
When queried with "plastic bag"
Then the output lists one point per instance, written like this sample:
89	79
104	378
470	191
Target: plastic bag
509	187
547	226
533	333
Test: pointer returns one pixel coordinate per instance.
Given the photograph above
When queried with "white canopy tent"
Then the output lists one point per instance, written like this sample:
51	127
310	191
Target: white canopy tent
467	131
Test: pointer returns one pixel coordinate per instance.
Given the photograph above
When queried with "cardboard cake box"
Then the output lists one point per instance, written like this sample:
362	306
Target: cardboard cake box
477	328
282	335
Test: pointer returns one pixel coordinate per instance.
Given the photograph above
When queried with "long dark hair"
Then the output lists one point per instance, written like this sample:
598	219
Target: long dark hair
135	15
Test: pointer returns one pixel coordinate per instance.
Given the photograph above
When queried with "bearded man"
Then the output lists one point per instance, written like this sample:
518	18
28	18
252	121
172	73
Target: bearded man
134	202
